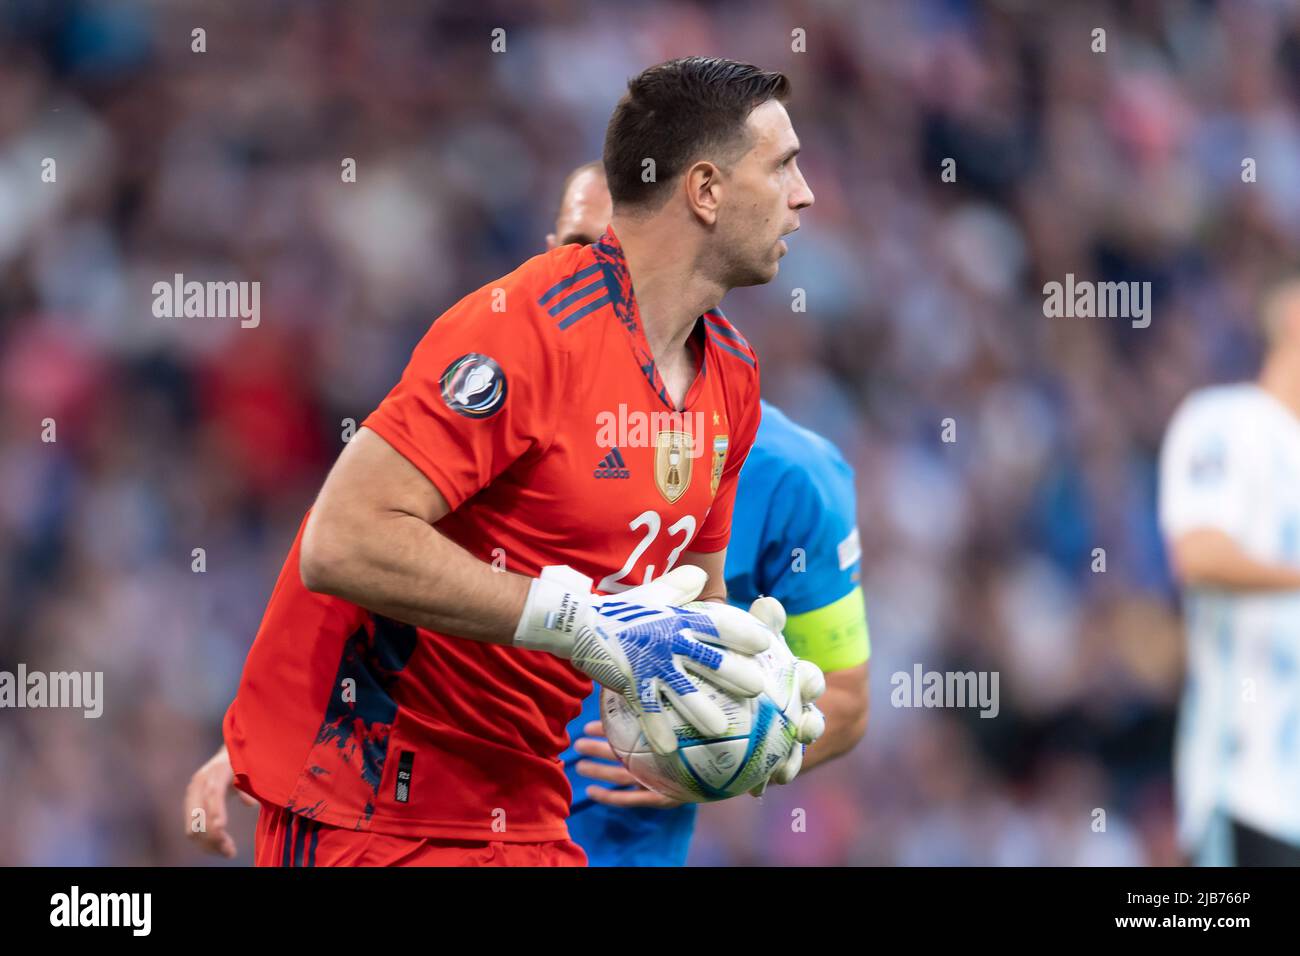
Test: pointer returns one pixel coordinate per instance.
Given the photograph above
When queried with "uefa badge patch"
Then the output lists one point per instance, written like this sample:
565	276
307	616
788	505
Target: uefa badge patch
672	464
719	460
474	386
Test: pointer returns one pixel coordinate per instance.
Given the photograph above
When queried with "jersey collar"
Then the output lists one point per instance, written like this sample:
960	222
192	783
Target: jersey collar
618	282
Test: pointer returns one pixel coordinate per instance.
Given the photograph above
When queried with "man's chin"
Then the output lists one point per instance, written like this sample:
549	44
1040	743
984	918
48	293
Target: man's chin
757	276
752	280
747	272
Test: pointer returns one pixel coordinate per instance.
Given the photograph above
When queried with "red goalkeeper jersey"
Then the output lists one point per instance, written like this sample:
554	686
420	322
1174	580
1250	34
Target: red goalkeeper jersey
535	407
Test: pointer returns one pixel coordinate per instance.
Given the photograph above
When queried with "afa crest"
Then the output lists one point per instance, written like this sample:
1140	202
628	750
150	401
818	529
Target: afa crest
719	461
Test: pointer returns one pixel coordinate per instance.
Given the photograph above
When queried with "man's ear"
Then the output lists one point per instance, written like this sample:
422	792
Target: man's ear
550	241
701	183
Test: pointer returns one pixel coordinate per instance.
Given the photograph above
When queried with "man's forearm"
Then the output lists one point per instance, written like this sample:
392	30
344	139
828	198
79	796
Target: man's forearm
402	567
845	707
1210	558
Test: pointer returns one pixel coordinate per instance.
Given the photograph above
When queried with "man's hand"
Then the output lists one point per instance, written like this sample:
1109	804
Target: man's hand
207	792
644	649
631	793
811	683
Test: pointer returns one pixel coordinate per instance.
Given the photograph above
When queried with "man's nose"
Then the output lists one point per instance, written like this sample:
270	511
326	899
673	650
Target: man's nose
803	196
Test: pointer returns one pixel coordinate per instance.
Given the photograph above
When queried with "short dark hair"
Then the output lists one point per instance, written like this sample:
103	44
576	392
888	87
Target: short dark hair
678	112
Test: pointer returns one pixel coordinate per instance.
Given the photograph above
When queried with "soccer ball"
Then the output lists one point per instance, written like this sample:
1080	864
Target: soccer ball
760	734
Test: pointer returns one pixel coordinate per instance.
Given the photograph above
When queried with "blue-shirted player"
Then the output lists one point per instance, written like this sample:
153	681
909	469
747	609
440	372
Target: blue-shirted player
794	536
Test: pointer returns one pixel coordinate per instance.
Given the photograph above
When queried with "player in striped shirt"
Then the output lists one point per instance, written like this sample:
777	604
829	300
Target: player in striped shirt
1230	511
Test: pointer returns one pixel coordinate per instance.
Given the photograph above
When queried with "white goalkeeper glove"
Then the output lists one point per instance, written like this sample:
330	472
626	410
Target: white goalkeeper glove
811	683
641	642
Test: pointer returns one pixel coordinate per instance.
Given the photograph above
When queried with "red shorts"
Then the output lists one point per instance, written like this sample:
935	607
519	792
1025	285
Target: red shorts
287	839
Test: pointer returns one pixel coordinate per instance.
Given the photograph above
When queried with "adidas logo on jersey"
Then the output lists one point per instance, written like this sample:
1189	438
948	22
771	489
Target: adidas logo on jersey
612	466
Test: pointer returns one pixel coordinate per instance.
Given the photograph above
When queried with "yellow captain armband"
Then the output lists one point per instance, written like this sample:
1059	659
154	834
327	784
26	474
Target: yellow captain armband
833	637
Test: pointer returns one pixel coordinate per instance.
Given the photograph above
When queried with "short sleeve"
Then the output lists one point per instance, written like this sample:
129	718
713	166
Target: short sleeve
815	554
1204	472
813	562
716	531
472	399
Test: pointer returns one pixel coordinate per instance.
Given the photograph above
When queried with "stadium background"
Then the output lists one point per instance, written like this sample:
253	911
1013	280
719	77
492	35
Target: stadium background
924	302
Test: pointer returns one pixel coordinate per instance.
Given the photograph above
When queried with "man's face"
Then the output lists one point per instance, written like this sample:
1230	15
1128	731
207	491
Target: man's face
585	212
763	193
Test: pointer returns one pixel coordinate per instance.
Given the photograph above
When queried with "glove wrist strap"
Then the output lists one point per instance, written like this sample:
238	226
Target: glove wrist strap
551	613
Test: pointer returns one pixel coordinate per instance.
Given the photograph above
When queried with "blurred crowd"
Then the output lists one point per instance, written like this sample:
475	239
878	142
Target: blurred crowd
924	304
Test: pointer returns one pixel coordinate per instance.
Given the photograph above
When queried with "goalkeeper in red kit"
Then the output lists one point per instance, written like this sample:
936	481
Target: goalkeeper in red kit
435	627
